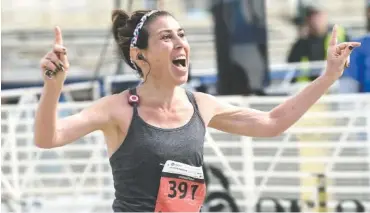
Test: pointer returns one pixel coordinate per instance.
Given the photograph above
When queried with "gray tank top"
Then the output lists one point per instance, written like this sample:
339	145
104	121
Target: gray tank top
138	162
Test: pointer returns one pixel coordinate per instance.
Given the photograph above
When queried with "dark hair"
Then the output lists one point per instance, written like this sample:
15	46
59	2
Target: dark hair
123	30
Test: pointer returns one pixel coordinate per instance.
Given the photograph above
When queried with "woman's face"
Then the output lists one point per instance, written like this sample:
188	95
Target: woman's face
168	51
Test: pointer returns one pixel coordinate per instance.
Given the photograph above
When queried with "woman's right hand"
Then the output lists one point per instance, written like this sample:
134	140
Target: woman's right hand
54	65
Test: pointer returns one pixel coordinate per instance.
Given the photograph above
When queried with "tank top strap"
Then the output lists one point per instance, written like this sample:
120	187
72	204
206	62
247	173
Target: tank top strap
134	99
192	100
132	91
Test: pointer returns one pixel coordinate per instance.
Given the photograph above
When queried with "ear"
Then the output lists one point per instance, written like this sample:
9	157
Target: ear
134	51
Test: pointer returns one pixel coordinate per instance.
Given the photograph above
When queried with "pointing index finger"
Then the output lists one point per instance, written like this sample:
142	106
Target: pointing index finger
58	36
333	39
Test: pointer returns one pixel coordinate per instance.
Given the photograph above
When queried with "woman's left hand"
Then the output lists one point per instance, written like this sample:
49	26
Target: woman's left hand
338	55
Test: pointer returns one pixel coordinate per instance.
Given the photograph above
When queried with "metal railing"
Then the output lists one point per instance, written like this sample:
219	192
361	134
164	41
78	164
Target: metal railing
332	139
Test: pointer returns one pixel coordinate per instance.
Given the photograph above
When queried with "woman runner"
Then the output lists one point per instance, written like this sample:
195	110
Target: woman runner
155	132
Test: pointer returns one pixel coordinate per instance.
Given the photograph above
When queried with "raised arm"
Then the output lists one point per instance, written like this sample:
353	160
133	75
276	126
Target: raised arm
49	130
256	123
52	132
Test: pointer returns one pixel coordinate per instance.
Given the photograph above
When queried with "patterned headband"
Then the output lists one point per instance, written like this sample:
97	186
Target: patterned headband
137	30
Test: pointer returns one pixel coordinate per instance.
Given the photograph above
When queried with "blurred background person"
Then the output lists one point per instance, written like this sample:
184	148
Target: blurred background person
312	43
356	79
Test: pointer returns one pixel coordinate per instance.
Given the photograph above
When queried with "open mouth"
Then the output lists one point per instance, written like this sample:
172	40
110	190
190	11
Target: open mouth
179	62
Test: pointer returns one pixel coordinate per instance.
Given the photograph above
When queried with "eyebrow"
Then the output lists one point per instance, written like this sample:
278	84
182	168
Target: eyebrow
168	30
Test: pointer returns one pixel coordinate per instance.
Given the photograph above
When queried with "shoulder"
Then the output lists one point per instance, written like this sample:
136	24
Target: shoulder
210	105
112	110
204	97
299	41
108	106
206	105
119	101
107	102
298	45
217	101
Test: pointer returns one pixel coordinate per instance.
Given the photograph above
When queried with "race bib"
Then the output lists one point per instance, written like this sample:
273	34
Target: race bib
182	188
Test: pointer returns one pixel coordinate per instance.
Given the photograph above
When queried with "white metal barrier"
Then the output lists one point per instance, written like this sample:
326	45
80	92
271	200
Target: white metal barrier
66	91
332	139
16	132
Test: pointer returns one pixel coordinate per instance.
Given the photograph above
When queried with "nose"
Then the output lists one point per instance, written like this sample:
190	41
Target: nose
180	43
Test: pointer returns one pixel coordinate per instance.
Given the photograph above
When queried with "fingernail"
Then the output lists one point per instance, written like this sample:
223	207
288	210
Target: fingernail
350	47
61	66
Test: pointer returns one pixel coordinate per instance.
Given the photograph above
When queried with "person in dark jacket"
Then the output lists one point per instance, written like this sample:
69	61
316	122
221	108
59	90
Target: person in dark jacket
313	43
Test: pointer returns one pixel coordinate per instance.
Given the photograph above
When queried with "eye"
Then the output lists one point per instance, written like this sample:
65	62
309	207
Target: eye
166	37
182	35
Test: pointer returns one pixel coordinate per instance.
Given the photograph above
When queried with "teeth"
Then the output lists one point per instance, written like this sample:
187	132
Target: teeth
180	57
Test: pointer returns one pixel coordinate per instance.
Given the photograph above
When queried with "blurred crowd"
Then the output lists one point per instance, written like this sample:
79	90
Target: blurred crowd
314	31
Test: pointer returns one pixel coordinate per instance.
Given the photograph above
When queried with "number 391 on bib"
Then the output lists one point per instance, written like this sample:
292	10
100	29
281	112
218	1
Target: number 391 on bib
182	188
